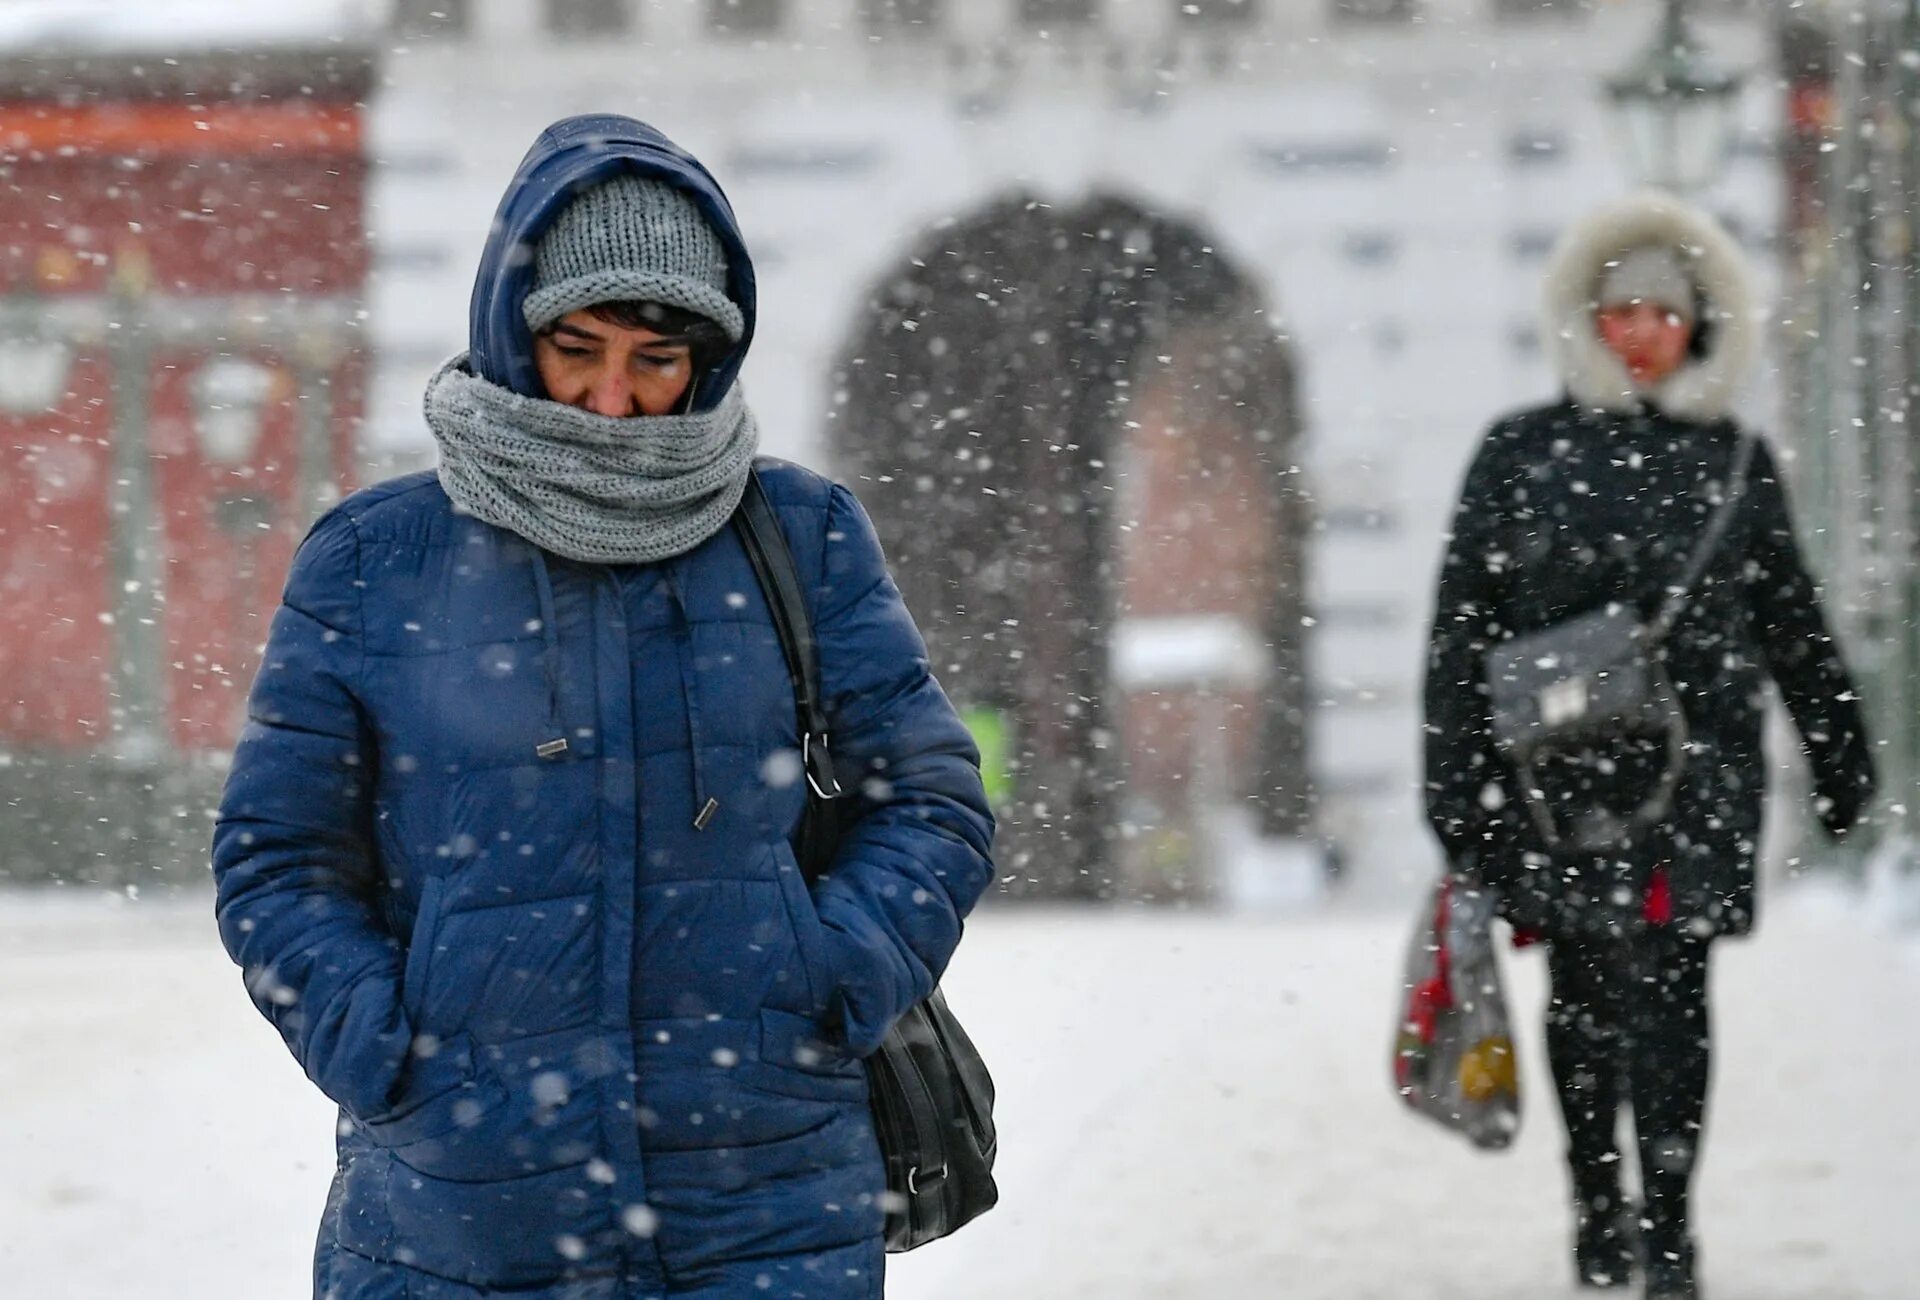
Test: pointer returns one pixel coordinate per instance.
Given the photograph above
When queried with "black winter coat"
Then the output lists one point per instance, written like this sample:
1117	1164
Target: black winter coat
1566	509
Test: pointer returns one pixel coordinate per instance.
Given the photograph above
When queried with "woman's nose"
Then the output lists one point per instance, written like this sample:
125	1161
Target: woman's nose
611	394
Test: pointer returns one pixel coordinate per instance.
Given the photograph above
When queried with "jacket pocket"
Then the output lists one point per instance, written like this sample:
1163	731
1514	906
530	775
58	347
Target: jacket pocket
510	1112
795	1060
441	1094
803	919
426	926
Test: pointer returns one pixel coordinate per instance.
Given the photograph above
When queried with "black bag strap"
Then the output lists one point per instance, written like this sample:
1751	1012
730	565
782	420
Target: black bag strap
779	578
1710	539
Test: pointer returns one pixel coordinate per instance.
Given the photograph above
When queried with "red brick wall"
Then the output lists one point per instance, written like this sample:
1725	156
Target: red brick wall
1201	538
55	644
131	209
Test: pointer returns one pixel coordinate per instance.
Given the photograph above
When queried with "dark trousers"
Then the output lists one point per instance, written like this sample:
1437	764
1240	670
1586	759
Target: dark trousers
1627	1023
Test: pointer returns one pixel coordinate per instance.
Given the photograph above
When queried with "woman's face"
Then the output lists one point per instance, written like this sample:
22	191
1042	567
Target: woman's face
1650	340
610	369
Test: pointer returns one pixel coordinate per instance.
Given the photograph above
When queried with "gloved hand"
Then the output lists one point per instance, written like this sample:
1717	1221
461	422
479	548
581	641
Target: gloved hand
1843	805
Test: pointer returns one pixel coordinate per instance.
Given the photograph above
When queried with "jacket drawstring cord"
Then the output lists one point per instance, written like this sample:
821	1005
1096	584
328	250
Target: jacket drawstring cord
690	684
549	656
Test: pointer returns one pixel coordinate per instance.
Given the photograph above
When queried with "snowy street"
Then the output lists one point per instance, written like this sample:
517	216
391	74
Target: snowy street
1189	1106
1223	457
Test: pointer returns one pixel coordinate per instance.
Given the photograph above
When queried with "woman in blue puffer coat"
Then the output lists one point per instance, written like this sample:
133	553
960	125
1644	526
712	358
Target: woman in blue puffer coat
504	854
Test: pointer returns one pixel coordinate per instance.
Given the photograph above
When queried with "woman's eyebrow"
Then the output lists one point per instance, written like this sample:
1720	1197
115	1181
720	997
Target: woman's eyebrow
577	332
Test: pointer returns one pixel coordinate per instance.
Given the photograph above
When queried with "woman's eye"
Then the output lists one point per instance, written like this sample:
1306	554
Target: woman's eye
660	362
566	351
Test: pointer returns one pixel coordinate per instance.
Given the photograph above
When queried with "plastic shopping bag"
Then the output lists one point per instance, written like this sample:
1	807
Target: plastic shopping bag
1453	1055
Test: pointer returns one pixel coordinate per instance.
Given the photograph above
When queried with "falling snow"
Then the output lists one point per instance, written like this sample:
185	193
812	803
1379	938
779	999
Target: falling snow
1188	359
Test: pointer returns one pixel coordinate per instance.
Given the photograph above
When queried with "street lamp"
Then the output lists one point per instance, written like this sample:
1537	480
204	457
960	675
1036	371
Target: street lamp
230	396
1676	109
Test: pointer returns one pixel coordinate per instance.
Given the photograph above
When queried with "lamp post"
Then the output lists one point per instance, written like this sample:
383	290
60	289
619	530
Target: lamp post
1676	108
1907	109
231	396
140	742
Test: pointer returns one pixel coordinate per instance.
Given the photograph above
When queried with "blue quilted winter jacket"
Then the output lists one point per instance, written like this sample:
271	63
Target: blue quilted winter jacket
589	1041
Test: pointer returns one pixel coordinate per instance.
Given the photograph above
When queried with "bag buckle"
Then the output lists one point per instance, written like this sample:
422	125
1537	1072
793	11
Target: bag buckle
819	775
913	1178
1563	702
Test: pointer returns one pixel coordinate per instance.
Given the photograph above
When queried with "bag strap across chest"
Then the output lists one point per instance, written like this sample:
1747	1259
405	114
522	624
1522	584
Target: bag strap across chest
1707	545
779	579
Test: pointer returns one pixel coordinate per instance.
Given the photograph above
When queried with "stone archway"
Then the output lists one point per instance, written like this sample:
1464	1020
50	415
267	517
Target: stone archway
1074	427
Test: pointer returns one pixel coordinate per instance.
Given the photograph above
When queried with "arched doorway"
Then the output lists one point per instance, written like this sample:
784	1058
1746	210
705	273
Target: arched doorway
1075	427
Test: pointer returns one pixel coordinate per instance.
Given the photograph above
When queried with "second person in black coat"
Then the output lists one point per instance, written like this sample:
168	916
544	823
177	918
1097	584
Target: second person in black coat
1599	498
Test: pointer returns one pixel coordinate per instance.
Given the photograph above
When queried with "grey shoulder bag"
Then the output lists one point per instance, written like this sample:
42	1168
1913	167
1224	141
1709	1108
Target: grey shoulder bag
1599	679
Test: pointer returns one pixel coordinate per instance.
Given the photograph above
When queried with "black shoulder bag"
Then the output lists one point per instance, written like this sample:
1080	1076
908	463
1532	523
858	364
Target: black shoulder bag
1599	679
932	1095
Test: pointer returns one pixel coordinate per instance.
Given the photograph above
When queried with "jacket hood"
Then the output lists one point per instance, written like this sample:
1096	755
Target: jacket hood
1704	387
574	154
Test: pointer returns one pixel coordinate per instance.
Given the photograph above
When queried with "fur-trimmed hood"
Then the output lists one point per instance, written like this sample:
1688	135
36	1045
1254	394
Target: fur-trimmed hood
1703	388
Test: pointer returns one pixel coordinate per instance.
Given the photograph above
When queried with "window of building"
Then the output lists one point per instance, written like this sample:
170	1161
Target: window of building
1375	11
1756	237
1362	695
423	163
588	18
413	355
411	259
1370	247
786	161
1357	495
1355	785
432	17
1217	13
1541	8
1359	517
1529	148
746	17
1311	157
1533	245
903	17
1048	15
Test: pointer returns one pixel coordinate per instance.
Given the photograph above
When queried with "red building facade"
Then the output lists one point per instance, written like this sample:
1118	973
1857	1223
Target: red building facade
182	264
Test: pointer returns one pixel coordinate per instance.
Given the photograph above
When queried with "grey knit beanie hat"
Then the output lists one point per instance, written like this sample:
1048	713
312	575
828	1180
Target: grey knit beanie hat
631	238
1652	273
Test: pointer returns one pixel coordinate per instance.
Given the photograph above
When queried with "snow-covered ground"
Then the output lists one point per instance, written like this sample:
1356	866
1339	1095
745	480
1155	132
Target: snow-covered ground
1190	1106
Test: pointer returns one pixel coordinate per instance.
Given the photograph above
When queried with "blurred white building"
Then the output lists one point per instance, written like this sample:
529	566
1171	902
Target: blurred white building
1395	169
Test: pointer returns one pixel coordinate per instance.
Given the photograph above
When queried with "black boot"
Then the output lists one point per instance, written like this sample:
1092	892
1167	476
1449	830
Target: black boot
1669	1253
1603	1241
1670	1263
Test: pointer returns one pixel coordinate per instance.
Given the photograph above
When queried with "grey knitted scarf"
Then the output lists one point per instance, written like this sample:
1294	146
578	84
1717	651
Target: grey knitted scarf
590	487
